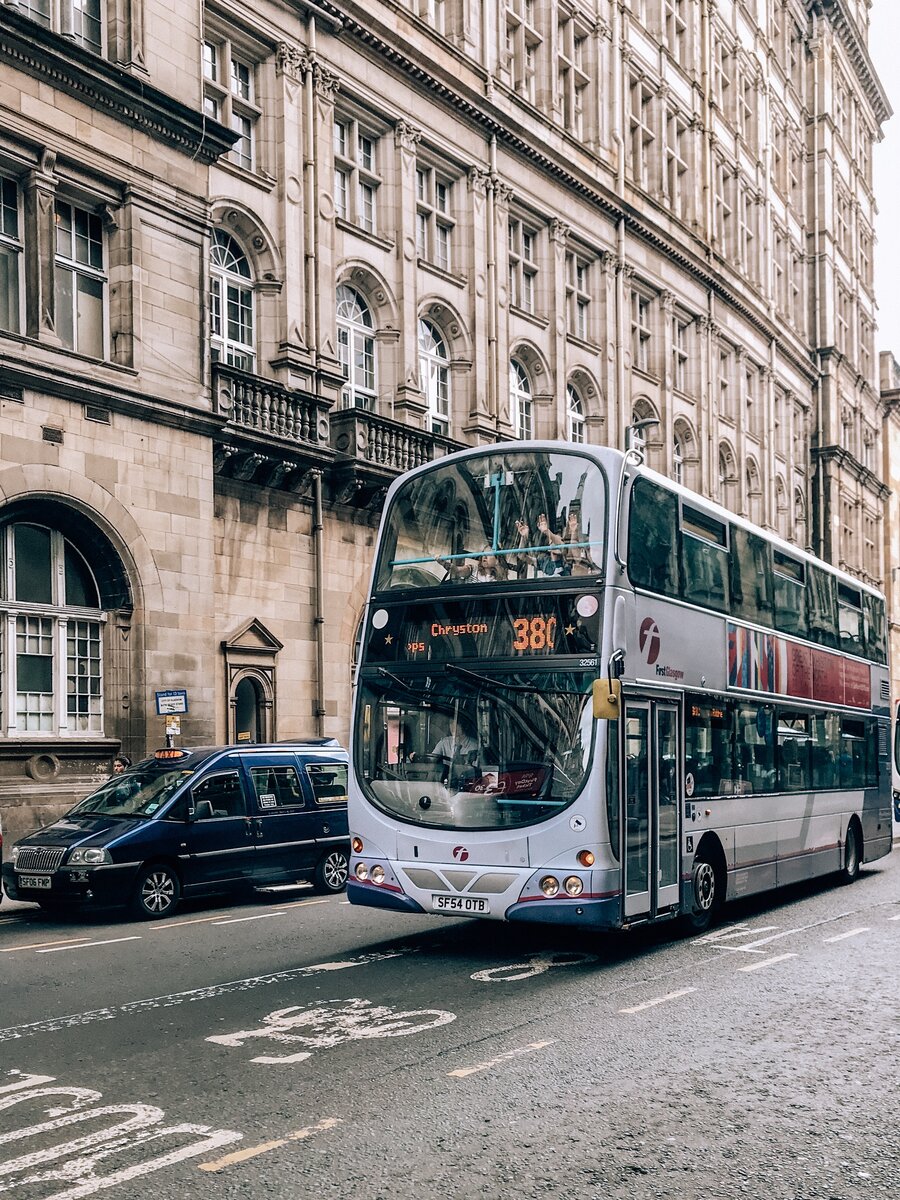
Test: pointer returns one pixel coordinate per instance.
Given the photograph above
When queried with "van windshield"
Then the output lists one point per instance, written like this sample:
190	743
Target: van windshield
138	793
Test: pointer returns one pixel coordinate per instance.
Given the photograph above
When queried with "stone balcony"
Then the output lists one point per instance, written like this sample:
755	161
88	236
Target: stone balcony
273	436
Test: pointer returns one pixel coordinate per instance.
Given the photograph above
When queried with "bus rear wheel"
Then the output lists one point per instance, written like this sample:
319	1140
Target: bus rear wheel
705	897
852	853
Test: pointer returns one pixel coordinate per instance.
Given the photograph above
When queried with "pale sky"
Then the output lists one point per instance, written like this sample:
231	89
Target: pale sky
884	43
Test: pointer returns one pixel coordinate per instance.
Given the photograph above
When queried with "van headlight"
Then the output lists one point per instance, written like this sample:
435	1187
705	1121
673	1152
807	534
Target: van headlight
88	856
14	854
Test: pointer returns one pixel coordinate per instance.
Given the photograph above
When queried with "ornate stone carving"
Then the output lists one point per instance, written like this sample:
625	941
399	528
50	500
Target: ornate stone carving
407	137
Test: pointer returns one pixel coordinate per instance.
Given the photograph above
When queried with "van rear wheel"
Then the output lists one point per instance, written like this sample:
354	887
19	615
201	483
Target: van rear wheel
156	893
332	870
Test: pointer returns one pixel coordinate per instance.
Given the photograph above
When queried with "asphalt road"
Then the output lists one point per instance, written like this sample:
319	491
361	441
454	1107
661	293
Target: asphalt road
299	1047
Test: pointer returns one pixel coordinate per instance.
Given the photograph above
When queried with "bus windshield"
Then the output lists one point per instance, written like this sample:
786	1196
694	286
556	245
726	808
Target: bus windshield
472	749
493	518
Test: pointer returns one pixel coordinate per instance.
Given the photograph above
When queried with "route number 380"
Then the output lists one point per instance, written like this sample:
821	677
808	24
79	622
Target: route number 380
534	633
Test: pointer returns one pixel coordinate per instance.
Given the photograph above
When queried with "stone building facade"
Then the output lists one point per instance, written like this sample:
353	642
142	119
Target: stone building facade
256	260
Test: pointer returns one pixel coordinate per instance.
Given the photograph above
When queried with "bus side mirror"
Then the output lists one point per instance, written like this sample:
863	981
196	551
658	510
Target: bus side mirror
607	699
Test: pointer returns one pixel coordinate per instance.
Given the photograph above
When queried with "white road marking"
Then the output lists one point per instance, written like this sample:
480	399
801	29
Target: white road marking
193	921
897	918
87	945
463	1072
307	903
536	964
258	917
658	1000
736	931
212	992
127	1131
330	1023
767	962
36	945
850	933
299	1135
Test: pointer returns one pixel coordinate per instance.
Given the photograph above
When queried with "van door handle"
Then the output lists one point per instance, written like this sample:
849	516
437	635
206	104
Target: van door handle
259	827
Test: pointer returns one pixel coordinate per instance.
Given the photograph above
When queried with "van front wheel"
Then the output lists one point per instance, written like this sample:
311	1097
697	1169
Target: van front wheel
156	893
332	870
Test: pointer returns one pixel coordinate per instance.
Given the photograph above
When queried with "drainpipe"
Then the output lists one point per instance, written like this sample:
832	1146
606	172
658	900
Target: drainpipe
311	177
319	615
493	365
618	433
819	548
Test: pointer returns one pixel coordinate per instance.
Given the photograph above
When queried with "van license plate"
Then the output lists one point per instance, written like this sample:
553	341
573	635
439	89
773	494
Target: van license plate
34	881
459	904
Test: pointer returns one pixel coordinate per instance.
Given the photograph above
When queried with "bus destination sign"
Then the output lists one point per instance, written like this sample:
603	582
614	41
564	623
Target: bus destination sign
520	627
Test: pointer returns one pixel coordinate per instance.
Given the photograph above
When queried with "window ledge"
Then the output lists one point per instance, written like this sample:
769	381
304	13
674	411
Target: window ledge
439	272
583	343
372	238
260	178
540	322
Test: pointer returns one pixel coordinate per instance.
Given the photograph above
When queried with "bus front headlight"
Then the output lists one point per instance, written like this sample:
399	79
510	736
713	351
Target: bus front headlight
550	885
377	874
361	871
574	886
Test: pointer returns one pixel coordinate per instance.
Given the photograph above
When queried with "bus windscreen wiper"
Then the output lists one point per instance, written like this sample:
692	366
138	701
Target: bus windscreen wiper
489	681
421	690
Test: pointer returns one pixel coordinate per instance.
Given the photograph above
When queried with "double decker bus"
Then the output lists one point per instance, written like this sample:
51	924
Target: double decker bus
588	695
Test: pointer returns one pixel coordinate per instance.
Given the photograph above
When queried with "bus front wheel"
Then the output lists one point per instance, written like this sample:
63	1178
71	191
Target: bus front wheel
852	853
705	897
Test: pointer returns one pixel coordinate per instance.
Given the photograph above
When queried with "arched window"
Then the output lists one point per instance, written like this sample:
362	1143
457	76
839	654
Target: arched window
754	493
728	477
52	676
799	525
356	349
520	410
678	459
231	304
575	416
434	374
781	508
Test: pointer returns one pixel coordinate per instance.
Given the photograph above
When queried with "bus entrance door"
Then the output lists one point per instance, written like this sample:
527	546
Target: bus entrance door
652	807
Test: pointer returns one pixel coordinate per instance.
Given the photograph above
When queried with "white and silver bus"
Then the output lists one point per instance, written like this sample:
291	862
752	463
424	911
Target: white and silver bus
587	695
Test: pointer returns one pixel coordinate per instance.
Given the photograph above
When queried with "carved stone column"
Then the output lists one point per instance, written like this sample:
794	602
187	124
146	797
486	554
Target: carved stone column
410	404
40	236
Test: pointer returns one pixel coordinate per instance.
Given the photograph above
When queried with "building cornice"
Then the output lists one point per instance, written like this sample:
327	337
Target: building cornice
845	28
843	458
65	65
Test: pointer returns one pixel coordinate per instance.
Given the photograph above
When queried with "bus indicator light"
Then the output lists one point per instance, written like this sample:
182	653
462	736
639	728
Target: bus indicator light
585	857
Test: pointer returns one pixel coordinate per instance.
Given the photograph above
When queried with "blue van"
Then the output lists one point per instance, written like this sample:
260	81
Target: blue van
193	823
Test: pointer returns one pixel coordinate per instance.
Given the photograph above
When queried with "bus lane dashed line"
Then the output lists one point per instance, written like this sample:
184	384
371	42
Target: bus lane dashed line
849	934
488	1064
766	962
658	1000
299	1135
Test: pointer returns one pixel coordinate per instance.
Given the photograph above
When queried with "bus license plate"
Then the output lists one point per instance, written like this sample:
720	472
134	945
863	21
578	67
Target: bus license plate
34	881
459	904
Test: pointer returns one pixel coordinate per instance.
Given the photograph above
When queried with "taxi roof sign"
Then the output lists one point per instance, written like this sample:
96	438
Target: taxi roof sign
170	752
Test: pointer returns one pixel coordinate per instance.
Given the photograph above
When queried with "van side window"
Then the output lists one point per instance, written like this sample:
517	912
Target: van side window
277	787
329	782
219	796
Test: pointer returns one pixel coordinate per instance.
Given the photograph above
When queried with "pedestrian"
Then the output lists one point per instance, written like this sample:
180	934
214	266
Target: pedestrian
121	763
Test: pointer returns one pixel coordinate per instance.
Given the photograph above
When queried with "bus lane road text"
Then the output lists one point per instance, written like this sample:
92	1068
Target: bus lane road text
61	1142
